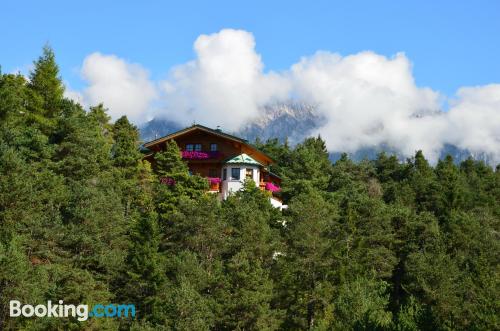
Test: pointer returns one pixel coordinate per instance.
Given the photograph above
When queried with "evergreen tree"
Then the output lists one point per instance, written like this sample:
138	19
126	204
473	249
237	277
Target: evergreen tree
45	82
126	144
309	168
370	245
144	272
306	267
174	182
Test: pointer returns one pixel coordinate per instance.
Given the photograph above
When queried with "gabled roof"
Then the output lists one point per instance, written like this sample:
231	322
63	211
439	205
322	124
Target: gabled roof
242	159
216	132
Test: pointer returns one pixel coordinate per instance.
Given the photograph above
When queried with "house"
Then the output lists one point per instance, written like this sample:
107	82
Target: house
225	160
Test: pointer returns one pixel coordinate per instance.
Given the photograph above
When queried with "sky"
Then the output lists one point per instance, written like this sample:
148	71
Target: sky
378	70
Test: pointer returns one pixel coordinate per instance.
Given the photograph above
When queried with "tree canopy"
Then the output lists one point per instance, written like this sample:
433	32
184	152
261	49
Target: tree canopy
379	244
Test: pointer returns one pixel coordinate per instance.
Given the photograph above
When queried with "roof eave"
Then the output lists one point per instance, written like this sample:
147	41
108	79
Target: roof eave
209	130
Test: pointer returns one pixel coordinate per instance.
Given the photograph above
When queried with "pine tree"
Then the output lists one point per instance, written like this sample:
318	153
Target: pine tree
45	81
307	272
126	144
83	150
309	168
451	187
174	182
126	160
247	293
423	183
144	267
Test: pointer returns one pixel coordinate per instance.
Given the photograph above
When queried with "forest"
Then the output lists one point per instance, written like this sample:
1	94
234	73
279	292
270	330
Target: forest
373	245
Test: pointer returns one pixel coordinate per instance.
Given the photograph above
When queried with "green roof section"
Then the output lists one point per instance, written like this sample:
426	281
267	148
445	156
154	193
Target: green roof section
242	159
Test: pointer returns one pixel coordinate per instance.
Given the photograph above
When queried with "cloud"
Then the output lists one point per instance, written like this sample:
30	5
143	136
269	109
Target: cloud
473	121
74	95
124	88
225	85
367	100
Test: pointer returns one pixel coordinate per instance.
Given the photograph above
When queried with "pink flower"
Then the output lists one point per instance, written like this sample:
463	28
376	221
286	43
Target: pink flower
198	155
194	155
272	187
214	180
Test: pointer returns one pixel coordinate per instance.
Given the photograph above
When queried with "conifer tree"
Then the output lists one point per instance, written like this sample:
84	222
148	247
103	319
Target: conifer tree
144	267
174	181
306	288
45	81
127	161
126	144
423	183
309	168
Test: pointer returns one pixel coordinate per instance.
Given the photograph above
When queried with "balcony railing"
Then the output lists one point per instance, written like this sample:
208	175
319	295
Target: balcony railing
199	155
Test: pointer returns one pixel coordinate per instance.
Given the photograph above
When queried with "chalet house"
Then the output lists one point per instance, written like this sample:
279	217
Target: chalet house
225	160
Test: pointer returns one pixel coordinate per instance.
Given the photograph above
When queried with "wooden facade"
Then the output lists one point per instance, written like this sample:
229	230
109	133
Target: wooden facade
220	146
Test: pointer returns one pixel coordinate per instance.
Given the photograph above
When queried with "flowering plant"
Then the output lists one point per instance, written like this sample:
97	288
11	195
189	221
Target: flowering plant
197	155
194	155
214	180
272	187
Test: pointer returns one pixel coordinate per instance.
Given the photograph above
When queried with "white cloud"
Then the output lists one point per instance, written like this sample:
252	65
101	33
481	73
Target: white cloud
124	88
225	85
75	96
367	99
474	120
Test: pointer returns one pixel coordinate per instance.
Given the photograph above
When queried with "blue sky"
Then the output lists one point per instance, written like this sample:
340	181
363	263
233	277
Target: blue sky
405	74
450	43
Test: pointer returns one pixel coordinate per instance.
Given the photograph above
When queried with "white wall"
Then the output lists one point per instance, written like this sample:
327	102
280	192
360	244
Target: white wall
277	204
230	185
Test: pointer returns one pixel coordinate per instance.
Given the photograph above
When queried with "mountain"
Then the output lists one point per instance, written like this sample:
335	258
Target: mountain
157	128
294	121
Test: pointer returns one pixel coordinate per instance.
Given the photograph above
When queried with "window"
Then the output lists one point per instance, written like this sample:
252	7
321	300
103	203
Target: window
212	172
213	147
249	173
235	173
224	174
197	147
190	147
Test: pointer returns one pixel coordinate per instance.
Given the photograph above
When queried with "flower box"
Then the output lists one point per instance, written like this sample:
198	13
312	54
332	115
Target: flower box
194	155
214	180
198	155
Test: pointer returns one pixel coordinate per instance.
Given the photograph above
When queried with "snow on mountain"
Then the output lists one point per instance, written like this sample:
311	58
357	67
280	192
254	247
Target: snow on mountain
294	121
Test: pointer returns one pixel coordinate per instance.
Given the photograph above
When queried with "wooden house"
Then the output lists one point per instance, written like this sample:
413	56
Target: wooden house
225	160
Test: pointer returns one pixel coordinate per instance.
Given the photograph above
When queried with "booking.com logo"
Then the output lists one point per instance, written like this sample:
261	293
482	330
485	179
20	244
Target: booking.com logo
81	312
